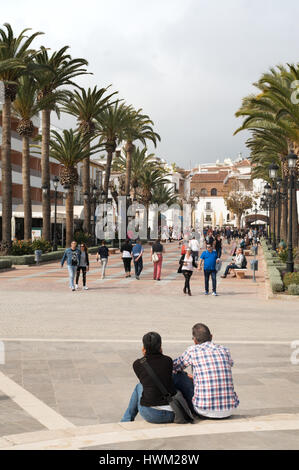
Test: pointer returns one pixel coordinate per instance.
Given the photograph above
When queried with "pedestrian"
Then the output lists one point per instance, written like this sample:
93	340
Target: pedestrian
146	398
82	266
194	245
187	264
157	258
126	250
102	255
209	258
72	257
137	251
218	245
240	262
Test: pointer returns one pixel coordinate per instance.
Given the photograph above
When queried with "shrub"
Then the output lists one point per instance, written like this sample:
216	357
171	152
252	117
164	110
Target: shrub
41	244
291	278
5	263
21	247
293	289
82	237
283	254
277	286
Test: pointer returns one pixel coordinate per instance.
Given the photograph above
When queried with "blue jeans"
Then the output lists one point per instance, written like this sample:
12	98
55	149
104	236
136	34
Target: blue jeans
138	266
209	273
147	413
183	383
72	273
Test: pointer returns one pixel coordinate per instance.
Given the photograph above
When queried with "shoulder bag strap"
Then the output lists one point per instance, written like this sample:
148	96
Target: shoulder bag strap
156	380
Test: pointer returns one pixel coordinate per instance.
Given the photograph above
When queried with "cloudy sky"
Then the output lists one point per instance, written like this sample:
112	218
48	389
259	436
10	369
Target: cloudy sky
187	63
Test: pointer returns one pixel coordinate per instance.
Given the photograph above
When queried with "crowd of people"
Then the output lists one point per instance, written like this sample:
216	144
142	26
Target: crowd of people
210	243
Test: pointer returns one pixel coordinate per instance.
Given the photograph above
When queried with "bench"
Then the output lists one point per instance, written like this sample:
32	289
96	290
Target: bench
112	251
247	252
240	273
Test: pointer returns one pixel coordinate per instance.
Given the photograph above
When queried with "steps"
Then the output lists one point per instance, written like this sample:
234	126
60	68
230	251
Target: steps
105	434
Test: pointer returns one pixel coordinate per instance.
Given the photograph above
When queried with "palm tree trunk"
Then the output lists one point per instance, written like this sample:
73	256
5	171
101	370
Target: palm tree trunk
86	189
110	151
129	147
26	189
69	216
46	197
6	174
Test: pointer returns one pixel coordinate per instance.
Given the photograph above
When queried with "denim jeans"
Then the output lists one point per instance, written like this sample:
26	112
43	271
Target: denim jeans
209	273
195	255
185	384
151	415
230	266
72	273
104	262
138	266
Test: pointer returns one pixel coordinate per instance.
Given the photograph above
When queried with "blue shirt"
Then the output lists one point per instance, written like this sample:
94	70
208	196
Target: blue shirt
137	249
209	260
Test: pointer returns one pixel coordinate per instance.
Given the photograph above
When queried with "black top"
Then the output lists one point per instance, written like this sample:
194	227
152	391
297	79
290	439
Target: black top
162	366
103	251
218	244
126	247
157	247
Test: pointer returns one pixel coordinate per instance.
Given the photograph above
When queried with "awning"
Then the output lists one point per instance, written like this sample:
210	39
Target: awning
37	212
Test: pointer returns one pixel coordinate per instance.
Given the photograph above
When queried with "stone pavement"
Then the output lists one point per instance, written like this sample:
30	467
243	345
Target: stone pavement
68	355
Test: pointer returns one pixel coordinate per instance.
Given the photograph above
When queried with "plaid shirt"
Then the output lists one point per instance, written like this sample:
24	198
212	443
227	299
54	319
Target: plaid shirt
212	376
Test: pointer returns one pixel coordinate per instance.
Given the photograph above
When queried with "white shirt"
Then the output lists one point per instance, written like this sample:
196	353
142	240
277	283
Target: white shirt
239	260
126	254
189	265
214	413
194	245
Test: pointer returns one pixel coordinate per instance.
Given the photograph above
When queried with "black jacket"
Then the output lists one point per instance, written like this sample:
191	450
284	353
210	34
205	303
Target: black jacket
162	366
194	264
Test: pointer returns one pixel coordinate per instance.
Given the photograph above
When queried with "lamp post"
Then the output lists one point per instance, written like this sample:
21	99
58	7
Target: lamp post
55	184
94	200
292	161
267	189
273	173
278	199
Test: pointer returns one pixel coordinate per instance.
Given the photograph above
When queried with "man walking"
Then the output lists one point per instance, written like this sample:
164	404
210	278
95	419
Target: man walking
137	251
210	393
103	255
194	245
209	258
72	256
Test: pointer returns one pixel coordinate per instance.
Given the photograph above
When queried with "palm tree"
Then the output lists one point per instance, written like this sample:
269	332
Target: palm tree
70	149
111	123
139	127
25	107
86	106
59	70
15	61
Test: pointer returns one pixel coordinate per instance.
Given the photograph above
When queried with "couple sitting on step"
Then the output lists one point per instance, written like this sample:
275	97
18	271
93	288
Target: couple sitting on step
209	393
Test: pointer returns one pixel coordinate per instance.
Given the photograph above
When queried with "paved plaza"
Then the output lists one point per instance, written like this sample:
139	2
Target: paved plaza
67	373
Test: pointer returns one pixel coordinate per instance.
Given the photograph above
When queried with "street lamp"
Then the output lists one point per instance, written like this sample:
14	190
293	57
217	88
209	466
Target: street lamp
292	162
267	189
273	173
55	184
279	183
94	200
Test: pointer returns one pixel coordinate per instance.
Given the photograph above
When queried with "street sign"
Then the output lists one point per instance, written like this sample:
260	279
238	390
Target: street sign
2	93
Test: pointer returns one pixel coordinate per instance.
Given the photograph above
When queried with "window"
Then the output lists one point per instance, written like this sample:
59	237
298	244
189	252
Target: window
203	192
208	218
208	206
213	192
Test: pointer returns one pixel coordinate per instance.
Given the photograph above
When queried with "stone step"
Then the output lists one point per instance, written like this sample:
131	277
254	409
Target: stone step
105	434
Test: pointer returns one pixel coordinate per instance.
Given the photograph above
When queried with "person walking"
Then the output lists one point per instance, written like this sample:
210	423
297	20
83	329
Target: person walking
194	245
82	266
137	251
103	255
72	257
126	250
209	259
157	258
218	245
187	263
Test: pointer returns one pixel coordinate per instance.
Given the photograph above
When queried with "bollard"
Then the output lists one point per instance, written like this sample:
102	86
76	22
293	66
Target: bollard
38	256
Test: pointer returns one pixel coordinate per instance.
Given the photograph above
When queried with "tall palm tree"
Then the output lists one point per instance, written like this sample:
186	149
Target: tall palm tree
86	106
69	149
25	107
60	71
15	61
139	127
111	123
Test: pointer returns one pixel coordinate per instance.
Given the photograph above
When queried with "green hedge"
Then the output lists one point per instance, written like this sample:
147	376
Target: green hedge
293	289
5	263
291	278
19	260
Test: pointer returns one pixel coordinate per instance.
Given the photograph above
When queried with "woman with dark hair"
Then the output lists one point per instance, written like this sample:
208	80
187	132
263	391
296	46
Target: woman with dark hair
157	258
126	250
146	397
82	266
187	264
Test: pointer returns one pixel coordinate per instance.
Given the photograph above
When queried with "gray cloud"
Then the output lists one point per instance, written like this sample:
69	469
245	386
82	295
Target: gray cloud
186	63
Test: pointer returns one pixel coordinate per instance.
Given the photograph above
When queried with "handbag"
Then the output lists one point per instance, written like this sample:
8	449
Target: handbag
177	402
155	257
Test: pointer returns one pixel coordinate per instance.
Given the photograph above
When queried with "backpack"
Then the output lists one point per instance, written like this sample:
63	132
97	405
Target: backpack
244	263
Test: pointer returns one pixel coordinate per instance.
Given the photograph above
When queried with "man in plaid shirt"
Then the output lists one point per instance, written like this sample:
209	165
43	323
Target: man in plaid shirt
211	391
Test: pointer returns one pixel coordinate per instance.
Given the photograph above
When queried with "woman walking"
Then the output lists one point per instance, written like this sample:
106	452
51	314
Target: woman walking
126	250
102	255
82	266
157	258
187	263
218	245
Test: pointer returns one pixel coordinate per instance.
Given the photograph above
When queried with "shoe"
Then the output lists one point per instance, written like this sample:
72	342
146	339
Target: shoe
73	289
223	277
85	288
214	293
189	293
206	293
76	287
158	279
184	290
137	277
